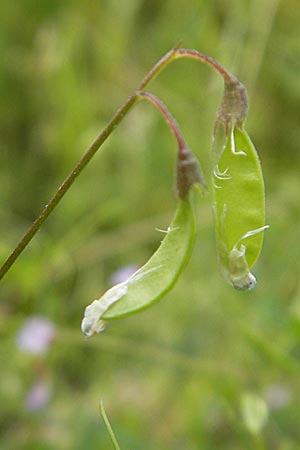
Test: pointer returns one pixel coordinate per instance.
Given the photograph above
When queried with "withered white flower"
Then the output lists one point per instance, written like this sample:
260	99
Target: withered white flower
92	323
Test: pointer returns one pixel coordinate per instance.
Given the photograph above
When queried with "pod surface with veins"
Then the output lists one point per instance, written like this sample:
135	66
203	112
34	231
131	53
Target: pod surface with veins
239	202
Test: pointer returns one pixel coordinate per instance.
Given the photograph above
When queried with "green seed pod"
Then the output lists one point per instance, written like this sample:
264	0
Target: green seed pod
160	273
151	281
239	209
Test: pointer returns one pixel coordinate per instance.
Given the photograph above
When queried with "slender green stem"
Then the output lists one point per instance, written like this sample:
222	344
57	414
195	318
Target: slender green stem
108	427
173	54
115	120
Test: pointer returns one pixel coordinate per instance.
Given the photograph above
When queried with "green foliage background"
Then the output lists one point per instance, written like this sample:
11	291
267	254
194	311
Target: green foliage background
173	377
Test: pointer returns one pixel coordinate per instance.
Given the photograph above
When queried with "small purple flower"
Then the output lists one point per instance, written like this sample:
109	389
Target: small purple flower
35	335
38	396
277	396
123	273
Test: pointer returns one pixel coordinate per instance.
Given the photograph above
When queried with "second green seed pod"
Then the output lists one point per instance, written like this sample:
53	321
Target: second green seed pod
239	202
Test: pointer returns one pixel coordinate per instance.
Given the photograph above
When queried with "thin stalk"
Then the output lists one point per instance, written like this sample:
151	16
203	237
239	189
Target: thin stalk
108	427
194	54
188	170
234	106
167	116
65	186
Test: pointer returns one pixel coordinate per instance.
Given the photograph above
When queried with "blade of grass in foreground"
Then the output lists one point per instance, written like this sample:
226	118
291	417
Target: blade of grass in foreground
108	427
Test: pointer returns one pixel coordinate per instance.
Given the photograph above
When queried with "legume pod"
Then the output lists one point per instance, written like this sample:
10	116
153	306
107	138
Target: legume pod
239	202
154	279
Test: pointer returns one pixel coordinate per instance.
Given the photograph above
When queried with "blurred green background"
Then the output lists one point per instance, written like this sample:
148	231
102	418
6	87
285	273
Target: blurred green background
208	367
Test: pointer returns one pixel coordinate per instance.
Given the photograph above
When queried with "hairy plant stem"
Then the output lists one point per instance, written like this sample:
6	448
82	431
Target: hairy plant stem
173	54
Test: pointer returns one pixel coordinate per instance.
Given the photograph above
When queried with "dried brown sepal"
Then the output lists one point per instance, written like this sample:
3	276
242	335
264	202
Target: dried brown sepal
234	107
188	172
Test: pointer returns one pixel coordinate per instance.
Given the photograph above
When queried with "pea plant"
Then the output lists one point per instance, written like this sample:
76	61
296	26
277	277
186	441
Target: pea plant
238	204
